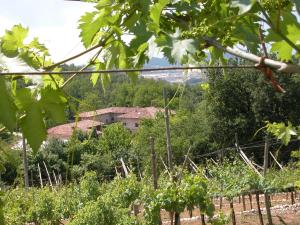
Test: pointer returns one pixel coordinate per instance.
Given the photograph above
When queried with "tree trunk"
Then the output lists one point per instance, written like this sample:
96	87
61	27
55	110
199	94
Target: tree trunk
232	213
261	221
267	197
171	217
202	219
221	202
244	204
25	164
292	197
250	199
268	208
177	218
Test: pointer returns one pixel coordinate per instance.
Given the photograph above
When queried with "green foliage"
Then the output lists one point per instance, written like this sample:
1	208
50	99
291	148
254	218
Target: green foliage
95	213
13	40
240	101
281	131
189	193
232	178
30	105
43	208
124	192
37	206
89	187
116	140
7	116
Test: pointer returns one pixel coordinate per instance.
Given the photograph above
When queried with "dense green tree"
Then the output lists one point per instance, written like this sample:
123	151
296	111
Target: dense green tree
241	101
116	141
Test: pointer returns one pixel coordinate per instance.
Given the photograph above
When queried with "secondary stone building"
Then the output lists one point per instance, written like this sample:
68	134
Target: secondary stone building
130	117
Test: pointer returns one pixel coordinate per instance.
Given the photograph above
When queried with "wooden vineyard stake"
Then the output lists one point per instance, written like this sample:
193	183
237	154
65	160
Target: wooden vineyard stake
25	163
55	179
40	175
244	204
202	219
244	157
261	221
124	167
154	163
168	136
154	169
250	200
31	178
232	213
292	196
49	178
281	167
267	198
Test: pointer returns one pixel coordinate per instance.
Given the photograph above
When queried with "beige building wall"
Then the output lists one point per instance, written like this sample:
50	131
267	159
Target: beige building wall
130	123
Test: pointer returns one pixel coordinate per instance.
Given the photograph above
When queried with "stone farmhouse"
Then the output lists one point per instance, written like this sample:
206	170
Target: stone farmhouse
130	117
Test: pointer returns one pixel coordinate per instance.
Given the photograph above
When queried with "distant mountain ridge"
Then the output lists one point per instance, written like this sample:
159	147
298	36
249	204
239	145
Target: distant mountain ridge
172	76
157	62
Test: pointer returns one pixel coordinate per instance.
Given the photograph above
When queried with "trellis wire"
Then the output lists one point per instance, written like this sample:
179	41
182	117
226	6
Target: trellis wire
244	148
127	70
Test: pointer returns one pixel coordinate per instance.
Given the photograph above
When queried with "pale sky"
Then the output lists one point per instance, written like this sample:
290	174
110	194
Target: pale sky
54	22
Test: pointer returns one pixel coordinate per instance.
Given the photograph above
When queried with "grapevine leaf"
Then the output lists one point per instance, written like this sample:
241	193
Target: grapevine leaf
13	40
281	131
30	58
291	29
284	50
122	56
105	79
112	56
33	126
103	3
90	25
132	20
155	12
24	98
215	55
140	58
181	48
7	106
174	48
95	76
53	102
243	5
32	123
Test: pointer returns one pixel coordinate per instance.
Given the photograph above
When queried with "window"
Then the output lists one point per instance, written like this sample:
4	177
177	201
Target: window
112	119
124	124
136	125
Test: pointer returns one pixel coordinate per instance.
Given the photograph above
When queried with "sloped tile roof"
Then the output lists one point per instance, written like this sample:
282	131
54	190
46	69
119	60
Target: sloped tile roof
66	130
116	110
148	112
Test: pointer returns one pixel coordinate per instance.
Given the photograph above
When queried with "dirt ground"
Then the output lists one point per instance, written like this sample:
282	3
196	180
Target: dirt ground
283	212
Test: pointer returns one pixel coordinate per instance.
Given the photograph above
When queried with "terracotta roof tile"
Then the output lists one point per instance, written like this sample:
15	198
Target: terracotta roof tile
66	130
148	112
117	110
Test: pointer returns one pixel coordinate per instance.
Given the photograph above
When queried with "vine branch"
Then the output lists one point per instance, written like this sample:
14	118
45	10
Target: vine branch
277	30
278	65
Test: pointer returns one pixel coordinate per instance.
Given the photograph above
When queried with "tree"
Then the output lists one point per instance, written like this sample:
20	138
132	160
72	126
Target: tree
240	101
182	30
116	141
